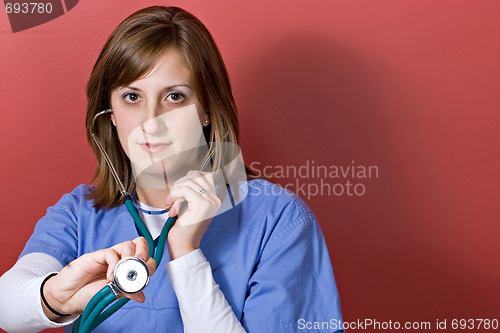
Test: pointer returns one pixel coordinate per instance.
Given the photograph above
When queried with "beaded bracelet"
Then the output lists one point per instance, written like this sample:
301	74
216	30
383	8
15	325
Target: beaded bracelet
45	301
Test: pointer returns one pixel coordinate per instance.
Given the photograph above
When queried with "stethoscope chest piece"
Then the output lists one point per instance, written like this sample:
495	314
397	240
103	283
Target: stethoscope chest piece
131	275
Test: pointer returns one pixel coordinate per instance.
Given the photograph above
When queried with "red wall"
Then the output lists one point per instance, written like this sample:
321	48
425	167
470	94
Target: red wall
411	87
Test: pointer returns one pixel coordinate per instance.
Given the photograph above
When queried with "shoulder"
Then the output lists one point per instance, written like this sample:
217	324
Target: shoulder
57	232
76	200
79	194
82	191
280	209
263	192
279	220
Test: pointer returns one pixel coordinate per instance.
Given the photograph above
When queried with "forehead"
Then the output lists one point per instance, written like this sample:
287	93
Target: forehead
170	67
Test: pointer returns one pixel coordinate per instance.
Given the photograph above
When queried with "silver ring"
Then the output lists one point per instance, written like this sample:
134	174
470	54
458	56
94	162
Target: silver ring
201	190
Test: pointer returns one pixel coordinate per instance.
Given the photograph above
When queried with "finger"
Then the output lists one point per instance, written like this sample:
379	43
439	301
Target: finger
125	249
202	178
107	258
91	266
151	266
187	193
139	297
141	248
187	181
174	210
142	251
195	180
193	184
169	201
196	185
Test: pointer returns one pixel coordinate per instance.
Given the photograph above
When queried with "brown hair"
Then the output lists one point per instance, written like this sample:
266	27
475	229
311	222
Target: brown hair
130	53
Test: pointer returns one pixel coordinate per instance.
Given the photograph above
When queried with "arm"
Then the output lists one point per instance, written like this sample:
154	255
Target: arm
293	281
68	292
202	304
21	309
291	288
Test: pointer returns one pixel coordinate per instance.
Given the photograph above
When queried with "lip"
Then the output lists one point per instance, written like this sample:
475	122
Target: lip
150	147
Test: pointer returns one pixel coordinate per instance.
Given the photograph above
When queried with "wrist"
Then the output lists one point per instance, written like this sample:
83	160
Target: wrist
50	306
178	251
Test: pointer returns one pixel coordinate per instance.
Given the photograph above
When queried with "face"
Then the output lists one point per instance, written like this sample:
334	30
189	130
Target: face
159	117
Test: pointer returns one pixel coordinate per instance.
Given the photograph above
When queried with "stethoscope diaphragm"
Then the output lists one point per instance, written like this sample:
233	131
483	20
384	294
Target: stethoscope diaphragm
131	275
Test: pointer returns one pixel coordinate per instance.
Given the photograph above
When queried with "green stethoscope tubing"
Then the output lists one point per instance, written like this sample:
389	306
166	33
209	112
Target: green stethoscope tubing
92	316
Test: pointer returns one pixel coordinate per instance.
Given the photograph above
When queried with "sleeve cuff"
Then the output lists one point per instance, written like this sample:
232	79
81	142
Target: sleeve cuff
187	261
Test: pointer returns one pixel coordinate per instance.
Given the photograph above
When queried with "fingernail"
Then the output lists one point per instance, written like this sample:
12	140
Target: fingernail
171	212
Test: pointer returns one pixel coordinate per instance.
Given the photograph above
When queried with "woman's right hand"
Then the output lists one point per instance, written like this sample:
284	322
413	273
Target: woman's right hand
72	288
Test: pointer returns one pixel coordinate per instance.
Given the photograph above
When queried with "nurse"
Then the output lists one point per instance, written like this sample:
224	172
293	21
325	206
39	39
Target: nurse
256	264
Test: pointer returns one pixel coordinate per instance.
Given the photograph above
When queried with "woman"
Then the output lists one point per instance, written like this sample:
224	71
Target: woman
259	264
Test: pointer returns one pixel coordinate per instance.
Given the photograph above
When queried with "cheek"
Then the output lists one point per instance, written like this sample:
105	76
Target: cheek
125	122
125	129
201	114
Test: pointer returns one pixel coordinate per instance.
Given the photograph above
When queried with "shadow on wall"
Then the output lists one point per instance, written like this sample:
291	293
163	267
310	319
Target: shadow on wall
306	99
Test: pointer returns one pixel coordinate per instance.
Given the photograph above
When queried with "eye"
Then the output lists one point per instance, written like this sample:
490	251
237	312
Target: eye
175	97
131	98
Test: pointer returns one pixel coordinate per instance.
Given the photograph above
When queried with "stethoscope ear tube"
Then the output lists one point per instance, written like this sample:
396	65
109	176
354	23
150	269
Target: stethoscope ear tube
131	274
103	151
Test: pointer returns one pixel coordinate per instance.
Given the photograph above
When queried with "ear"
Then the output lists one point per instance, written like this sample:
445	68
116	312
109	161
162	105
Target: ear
207	119
113	119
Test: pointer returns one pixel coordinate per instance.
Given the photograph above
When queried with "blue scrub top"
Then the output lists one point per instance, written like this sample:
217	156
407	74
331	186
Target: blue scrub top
267	255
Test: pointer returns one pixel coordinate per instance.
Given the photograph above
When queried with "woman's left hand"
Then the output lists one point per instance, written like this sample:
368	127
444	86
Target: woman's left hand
199	209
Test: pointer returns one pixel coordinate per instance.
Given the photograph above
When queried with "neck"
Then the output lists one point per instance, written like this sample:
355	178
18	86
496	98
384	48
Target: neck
153	197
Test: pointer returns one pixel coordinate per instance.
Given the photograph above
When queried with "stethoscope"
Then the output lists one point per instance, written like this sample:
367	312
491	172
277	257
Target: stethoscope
131	274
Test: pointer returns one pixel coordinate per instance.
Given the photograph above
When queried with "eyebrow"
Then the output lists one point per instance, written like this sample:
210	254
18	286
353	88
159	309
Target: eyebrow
165	89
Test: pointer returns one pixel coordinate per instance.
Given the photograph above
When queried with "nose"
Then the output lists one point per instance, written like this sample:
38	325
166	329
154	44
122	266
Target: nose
153	124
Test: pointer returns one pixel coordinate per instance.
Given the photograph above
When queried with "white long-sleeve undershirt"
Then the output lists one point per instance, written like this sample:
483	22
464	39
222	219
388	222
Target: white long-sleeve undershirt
21	307
202	304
